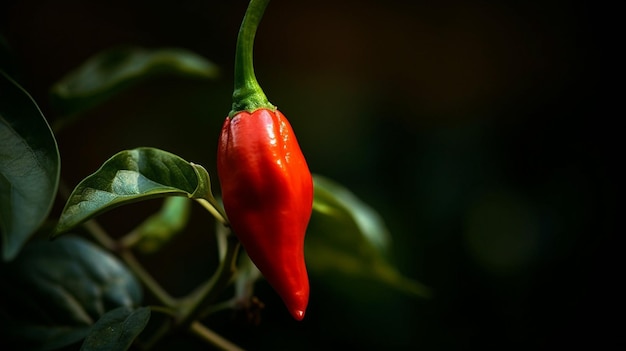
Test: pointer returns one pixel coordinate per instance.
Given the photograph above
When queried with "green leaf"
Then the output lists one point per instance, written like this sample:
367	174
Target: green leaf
334	200
131	176
54	291
159	228
117	329
29	167
346	236
113	71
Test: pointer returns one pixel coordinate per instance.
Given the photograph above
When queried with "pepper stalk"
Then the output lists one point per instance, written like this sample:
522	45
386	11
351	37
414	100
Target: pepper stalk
248	95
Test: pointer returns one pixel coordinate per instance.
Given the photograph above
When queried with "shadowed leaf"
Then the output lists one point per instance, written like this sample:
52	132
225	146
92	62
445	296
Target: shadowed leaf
346	236
29	167
55	290
113	71
116	330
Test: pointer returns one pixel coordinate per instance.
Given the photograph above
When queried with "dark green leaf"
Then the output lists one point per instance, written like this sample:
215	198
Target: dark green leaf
31	337
130	176
334	200
54	291
110	72
348	237
29	167
159	228
116	330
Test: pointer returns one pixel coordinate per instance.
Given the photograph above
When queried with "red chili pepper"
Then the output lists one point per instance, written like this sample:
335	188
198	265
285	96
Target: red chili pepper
267	191
267	188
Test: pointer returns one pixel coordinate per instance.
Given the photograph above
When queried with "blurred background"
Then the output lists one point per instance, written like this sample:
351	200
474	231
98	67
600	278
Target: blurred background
478	130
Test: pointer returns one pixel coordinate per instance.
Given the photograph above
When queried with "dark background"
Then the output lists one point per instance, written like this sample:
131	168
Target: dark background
479	129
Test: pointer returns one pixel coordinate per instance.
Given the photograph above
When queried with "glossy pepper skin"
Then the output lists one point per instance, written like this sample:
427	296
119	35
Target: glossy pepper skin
267	192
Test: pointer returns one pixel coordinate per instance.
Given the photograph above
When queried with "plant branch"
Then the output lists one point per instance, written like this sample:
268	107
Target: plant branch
211	337
214	210
158	334
131	239
205	294
102	237
162	309
147	279
224	305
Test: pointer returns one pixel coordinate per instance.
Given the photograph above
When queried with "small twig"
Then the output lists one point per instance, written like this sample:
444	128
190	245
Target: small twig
214	210
211	337
208	292
131	239
157	335
198	302
224	305
147	279
103	238
162	309
100	235
221	236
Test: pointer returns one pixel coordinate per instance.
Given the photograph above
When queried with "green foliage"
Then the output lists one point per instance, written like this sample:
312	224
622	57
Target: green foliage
117	329
159	228
475	130
69	289
348	237
336	201
131	176
108	73
29	167
54	291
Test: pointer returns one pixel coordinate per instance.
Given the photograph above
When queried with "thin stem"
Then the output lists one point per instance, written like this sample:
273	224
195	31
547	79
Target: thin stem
104	239
248	274
131	239
211	337
197	301
205	294
100	235
164	310
224	305
214	210
248	95
158	334
147	279
221	236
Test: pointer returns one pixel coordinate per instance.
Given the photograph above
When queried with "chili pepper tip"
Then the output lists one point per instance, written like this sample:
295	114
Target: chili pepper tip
298	314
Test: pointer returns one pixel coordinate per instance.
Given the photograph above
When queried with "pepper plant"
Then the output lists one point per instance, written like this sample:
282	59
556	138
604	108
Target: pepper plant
87	291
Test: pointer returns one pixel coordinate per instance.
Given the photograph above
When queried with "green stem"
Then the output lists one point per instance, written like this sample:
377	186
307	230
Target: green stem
100	235
147	279
248	95
211	337
105	240
214	209
155	337
222	306
193	307
207	293
131	239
